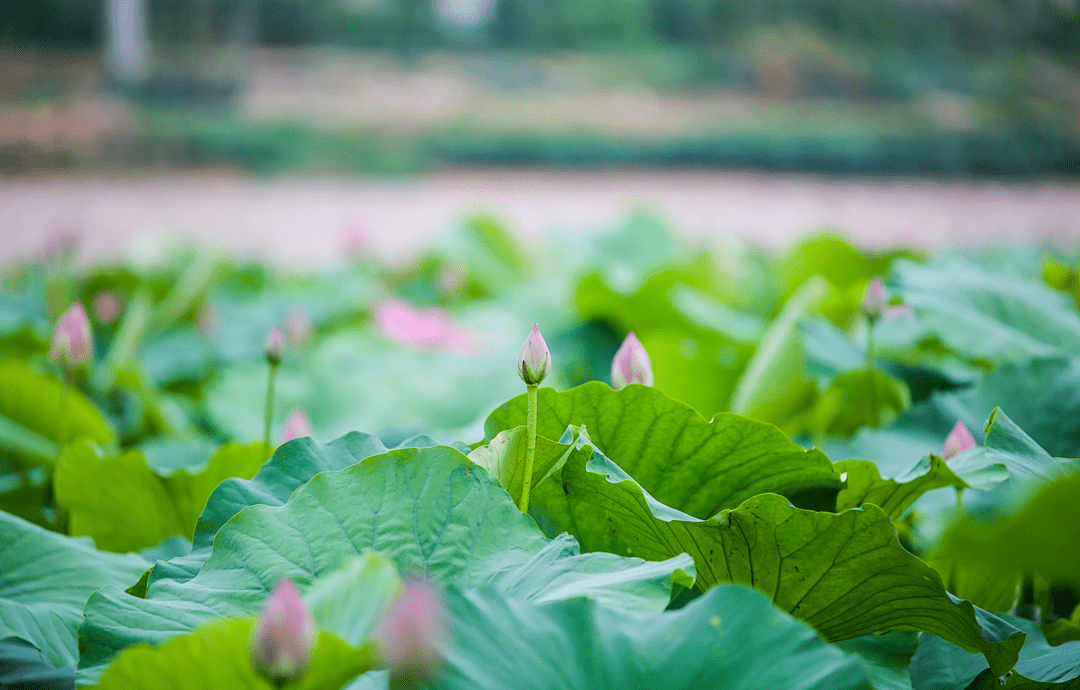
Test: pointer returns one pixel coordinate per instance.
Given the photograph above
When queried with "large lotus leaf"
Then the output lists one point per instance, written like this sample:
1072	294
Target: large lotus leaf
885	657
292	465
215	656
845	574
30	419
1040	536
775	386
354	379
125	506
860	398
941	665
505	456
694	465
430	510
45	580
988	315
731	636
23	668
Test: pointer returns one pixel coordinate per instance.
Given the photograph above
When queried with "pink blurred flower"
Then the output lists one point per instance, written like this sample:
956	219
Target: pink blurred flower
298	326
534	361
274	347
296	425
355	239
411	634
106	307
958	440
631	364
283	640
72	344
875	303
432	327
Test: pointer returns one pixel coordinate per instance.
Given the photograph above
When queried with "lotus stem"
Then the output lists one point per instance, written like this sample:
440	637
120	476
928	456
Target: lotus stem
269	409
530	449
61	431
871	373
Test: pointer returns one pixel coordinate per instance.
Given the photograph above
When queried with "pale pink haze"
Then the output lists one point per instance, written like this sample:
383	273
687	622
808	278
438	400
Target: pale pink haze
431	327
298	326
275	345
296	425
412	632
60	244
631	364
72	344
106	307
958	440
283	640
534	362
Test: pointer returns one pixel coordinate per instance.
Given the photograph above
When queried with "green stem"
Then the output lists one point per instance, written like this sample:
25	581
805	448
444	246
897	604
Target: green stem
875	420
530	450
61	432
959	500
269	410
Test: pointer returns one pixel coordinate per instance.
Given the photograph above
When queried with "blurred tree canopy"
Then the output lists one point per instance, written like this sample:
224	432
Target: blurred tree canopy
961	26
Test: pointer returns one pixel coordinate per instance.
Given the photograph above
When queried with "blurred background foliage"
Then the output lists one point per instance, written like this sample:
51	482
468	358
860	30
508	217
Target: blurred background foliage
844	86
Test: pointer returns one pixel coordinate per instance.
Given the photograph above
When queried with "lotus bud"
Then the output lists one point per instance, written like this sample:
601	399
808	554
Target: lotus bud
72	344
534	362
283	640
875	301
958	440
411	634
296	426
631	364
298	326
275	346
107	307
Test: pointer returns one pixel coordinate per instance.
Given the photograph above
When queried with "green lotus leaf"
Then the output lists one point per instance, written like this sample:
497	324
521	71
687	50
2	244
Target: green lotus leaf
215	656
45	580
693	465
845	574
731	633
429	510
30	416
103	492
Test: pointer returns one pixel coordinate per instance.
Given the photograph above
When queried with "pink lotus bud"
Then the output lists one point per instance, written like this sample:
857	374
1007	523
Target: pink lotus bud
296	426
72	344
283	640
631	364
875	300
411	634
106	307
534	362
298	326
958	440
275	346
428	328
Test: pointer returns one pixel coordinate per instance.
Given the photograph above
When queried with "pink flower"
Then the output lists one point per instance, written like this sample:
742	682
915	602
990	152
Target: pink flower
875	303
296	426
106	306
432	327
355	239
958	440
283	641
631	364
298	326
274	347
534	362
411	634
72	344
